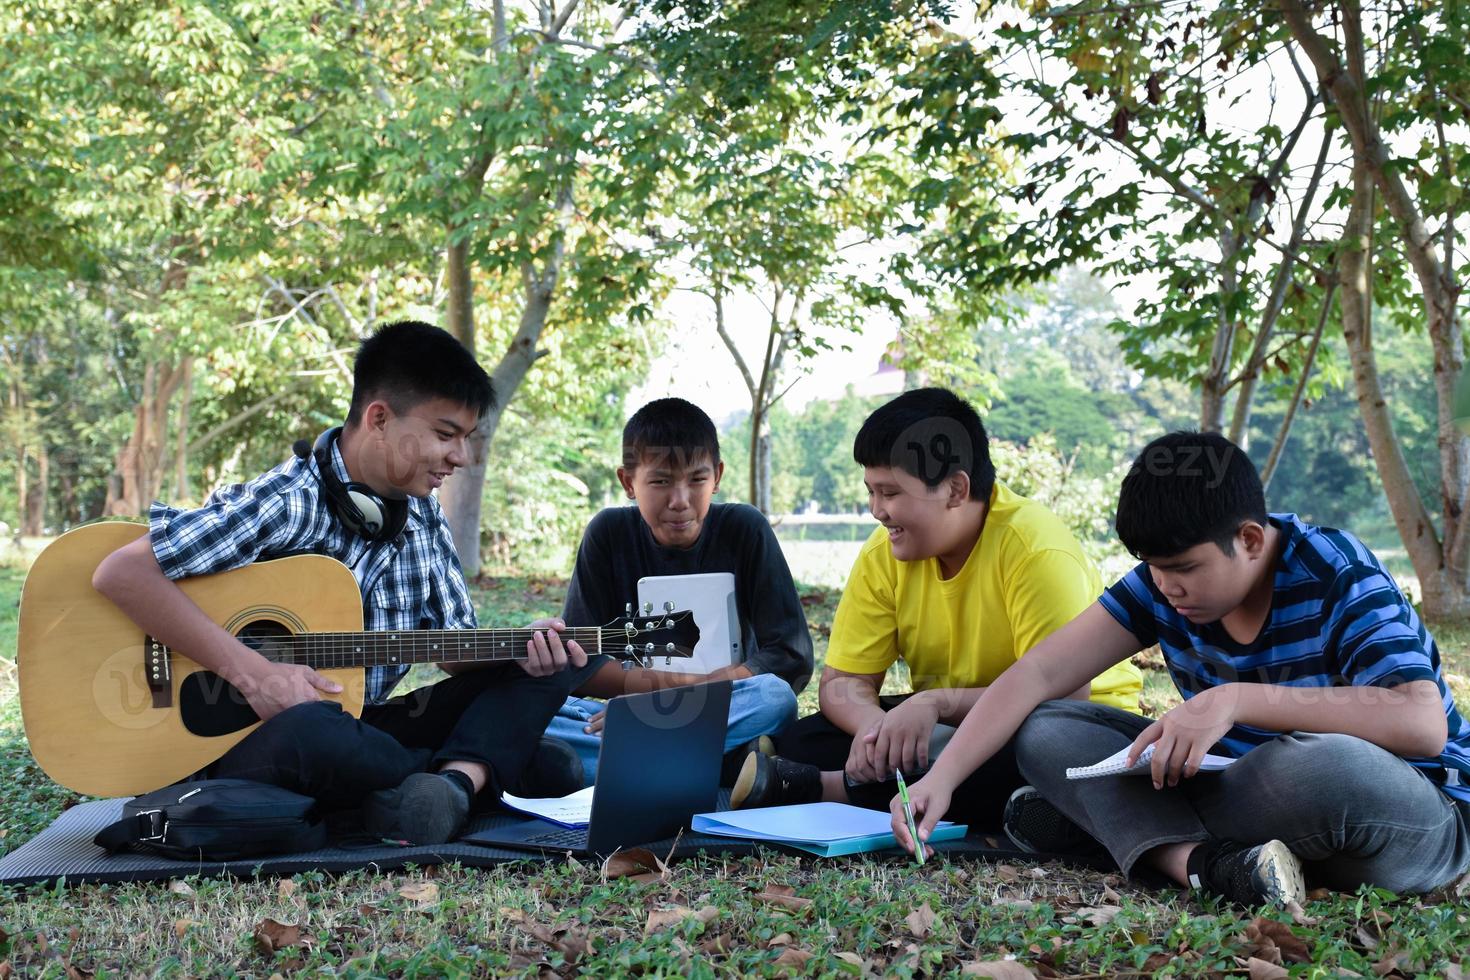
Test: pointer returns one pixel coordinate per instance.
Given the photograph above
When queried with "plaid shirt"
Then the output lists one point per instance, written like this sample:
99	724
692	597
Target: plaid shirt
412	583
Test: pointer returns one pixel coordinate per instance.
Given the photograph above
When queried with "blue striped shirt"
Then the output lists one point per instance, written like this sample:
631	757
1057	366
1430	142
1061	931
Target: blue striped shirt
1337	619
413	583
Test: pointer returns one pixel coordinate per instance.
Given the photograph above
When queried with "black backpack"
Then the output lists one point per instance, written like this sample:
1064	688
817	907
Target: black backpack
216	820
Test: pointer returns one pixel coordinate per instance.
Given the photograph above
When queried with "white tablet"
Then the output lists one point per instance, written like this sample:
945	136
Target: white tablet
711	597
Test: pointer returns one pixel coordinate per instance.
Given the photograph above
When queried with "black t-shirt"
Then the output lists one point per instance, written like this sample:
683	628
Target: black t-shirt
618	549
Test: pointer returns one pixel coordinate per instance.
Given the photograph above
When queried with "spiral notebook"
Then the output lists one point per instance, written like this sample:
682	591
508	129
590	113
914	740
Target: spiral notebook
1117	765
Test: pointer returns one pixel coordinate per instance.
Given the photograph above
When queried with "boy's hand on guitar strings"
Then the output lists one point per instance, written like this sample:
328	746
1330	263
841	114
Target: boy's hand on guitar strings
545	652
274	687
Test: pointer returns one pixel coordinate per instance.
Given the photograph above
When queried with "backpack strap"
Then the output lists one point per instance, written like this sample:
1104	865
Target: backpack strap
140	828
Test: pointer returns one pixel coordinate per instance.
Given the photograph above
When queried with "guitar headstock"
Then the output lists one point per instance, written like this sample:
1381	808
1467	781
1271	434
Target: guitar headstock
641	637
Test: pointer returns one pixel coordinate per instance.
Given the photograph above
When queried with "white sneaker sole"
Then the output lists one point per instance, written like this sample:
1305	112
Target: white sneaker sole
1280	874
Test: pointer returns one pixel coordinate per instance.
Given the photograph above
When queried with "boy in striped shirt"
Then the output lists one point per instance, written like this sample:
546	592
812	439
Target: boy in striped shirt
1295	653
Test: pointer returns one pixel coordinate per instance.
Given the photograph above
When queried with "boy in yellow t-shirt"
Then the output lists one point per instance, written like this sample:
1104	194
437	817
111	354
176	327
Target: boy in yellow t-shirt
962	578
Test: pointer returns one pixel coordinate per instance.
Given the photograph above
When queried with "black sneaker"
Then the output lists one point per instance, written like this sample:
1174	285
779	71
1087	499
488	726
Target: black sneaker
767	780
1035	826
555	770
426	808
734	760
1248	875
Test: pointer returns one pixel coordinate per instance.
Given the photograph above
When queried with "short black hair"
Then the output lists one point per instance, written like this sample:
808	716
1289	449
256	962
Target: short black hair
672	428
929	433
409	362
1184	489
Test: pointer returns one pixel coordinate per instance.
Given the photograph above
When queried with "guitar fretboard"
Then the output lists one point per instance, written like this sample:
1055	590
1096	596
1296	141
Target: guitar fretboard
326	651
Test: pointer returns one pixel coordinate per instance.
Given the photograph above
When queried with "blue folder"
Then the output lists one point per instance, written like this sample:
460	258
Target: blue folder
824	829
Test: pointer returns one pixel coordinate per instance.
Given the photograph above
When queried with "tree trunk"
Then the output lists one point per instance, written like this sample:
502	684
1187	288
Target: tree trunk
1443	574
35	511
1284	432
1216	377
763	467
1250	376
1442	597
138	471
461	495
181	444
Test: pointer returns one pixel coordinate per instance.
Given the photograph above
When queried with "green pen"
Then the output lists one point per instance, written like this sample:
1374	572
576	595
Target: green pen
908	814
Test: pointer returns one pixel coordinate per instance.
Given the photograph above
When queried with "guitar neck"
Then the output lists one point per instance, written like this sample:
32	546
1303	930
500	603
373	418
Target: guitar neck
387	648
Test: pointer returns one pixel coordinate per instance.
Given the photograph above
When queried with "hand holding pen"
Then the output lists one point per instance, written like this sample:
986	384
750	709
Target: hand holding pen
915	812
908	814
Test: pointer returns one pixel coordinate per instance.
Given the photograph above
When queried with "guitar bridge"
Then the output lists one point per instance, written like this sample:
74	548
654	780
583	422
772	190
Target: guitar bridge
157	673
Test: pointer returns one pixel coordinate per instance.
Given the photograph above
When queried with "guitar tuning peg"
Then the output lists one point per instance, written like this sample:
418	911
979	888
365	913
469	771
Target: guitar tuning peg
668	607
628	609
648	609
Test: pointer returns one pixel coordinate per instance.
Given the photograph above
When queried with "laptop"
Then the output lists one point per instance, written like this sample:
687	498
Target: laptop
635	802
710	596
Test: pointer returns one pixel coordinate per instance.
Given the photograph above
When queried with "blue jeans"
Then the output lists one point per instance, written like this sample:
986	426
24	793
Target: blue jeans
1353	812
759	705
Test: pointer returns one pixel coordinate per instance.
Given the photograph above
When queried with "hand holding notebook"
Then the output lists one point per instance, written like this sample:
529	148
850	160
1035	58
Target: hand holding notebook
1117	765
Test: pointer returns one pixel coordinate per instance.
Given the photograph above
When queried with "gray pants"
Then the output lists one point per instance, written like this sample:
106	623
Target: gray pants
1353	812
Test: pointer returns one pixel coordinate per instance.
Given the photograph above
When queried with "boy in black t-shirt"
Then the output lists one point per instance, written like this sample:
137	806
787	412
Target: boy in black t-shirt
671	469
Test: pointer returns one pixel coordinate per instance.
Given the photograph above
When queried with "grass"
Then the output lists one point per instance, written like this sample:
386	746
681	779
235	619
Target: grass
772	915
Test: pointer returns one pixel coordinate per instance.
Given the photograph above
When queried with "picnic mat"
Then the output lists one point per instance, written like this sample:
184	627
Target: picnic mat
65	850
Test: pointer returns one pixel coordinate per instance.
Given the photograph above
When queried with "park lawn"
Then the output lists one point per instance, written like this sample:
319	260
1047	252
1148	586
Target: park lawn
773	915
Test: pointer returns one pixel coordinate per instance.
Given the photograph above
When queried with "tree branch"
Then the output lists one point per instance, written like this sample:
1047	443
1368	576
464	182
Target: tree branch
718	297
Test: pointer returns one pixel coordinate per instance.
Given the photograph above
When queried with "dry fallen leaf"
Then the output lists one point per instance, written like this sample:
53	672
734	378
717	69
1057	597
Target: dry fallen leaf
182	926
1395	961
574	942
635	862
271	935
286	888
1299	915
1454	972
1098	915
180	887
998	970
854	959
524	963
781	939
793	958
664	918
1155	963
783	895
423	892
1262	970
1293	948
718	944
920	921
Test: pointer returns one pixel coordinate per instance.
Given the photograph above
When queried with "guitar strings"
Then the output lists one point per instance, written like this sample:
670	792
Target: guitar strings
369	648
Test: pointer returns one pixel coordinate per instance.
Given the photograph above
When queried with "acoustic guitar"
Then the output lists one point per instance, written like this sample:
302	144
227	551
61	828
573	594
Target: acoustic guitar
110	711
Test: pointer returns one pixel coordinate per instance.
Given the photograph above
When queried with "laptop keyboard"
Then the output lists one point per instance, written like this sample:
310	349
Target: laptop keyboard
559	838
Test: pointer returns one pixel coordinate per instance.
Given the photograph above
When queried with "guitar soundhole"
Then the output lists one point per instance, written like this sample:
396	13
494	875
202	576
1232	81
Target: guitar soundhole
209	705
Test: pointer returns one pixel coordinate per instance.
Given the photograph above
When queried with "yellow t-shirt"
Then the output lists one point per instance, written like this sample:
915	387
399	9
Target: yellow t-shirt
1025	577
